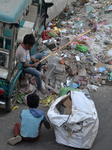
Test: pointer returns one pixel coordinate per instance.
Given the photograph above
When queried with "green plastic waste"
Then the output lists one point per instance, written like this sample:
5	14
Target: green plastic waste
110	78
65	90
81	48
20	97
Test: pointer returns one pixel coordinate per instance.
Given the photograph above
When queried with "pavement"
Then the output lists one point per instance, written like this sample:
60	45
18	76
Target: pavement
103	102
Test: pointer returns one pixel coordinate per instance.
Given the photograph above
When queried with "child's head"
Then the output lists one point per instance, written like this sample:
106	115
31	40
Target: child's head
33	100
29	41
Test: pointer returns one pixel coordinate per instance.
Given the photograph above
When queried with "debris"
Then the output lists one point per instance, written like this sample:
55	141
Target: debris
88	58
47	101
15	107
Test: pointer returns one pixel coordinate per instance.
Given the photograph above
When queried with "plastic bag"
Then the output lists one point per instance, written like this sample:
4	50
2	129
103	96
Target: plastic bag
65	90
81	48
78	129
54	60
92	87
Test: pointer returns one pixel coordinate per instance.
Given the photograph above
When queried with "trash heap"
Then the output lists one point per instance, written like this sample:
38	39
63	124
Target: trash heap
87	62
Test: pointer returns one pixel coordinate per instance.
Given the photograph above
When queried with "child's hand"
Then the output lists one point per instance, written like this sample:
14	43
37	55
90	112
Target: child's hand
36	60
35	65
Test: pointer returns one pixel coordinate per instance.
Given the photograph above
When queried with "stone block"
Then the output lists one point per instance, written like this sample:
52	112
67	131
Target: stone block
49	71
33	81
66	63
84	83
82	72
73	71
30	89
28	76
61	77
52	82
60	68
24	82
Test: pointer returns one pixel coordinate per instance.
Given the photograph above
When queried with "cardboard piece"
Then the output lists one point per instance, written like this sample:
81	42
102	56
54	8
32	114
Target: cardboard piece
67	103
68	110
99	64
63	100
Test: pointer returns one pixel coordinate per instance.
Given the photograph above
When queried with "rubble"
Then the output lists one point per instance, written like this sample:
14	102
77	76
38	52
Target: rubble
87	62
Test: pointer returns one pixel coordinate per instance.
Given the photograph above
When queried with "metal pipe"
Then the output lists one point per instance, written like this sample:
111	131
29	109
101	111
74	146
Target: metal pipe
11	54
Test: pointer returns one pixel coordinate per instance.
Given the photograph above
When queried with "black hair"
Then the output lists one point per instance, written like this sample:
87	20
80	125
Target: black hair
29	39
32	100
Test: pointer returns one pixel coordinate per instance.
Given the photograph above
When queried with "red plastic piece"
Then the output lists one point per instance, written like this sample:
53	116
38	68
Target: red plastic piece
1	92
45	36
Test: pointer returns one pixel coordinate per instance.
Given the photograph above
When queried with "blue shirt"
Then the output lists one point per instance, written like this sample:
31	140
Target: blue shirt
30	122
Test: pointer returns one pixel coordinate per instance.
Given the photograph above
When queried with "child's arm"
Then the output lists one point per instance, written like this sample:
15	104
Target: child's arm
46	124
29	65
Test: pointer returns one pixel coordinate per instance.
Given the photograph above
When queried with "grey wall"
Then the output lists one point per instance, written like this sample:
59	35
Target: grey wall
55	10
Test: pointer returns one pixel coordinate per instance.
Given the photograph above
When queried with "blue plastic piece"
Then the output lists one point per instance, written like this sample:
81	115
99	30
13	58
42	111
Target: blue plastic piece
89	9
44	53
74	85
12	10
101	69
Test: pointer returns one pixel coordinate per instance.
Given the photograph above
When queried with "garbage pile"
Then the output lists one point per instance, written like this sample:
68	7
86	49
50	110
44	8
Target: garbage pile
87	62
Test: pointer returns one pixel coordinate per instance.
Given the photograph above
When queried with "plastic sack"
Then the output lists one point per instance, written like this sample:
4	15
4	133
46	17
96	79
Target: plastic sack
79	129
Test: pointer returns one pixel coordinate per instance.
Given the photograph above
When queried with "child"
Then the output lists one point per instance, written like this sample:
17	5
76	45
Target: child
31	122
22	54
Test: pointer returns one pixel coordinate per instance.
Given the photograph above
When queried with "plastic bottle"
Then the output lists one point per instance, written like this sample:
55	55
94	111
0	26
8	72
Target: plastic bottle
44	53
80	24
94	69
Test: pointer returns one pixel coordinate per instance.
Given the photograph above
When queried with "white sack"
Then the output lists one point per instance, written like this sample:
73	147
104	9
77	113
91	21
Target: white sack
78	129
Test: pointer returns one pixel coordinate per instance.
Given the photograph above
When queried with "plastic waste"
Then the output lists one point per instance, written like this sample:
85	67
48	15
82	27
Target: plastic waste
20	97
15	107
110	78
94	69
44	53
92	87
65	90
81	48
74	85
68	81
80	24
101	69
48	101
54	60
89	9
75	44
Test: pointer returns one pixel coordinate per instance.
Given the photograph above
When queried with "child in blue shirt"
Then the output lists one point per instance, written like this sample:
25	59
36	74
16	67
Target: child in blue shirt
31	122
